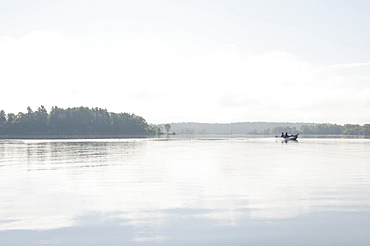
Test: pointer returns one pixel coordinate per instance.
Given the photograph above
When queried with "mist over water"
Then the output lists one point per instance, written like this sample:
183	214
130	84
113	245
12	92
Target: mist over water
176	191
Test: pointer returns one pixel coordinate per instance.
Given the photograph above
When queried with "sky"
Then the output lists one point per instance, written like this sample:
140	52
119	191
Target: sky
217	61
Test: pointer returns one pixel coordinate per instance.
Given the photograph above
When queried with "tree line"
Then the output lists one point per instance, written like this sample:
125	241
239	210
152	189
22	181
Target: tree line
324	129
230	128
73	121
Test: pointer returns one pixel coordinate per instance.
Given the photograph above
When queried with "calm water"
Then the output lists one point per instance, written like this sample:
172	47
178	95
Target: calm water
230	191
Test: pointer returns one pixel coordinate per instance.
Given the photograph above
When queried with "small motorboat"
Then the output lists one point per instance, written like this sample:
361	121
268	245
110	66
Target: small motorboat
291	137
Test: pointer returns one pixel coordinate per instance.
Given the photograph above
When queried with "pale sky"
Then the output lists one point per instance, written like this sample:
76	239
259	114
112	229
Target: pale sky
200	61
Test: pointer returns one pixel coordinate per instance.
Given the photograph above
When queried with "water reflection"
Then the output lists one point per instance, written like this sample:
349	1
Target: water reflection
329	228
145	191
75	154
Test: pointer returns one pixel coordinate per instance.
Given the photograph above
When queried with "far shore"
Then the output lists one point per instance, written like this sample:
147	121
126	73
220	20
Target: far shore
102	136
97	136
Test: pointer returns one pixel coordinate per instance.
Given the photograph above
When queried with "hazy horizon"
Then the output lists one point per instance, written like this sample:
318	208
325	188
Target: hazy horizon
190	61
184	122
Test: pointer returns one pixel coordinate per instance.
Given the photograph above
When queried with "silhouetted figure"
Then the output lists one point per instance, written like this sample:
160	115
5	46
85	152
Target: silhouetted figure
286	135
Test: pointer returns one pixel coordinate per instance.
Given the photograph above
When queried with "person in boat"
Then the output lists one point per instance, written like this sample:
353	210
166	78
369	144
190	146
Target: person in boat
286	135
282	134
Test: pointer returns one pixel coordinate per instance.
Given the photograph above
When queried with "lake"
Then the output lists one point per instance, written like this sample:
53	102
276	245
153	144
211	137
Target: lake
185	191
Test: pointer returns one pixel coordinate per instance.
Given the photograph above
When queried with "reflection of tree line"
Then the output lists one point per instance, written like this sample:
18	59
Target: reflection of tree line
53	155
78	120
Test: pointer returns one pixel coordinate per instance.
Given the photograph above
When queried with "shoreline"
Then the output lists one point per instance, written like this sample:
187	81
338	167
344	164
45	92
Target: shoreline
112	136
73	136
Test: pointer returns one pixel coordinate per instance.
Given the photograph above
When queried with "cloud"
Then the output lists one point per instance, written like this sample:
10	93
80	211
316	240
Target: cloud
345	66
161	81
279	87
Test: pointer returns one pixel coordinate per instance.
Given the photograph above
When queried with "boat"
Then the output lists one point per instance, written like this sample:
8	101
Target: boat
291	137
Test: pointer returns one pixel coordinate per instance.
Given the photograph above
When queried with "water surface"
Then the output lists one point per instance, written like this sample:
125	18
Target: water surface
205	191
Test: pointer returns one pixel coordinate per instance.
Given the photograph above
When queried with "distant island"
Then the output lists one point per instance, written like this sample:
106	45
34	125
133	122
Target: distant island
270	128
79	121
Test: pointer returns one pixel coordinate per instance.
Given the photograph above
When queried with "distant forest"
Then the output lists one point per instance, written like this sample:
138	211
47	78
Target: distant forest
97	121
73	121
232	128
328	129
270	128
